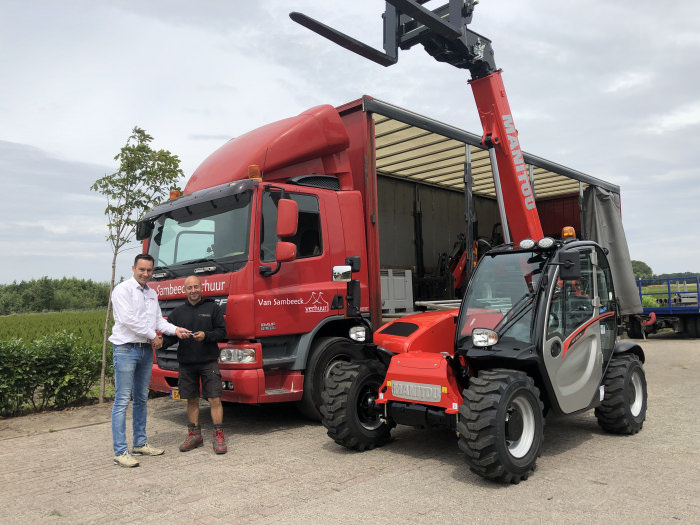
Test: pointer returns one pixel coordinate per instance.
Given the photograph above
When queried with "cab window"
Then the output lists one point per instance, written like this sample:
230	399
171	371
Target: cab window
571	303
308	239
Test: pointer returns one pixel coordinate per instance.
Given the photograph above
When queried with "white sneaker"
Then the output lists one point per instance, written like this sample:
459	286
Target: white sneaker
126	460
147	450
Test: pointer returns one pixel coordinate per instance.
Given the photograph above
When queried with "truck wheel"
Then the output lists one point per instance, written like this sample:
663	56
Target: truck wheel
348	406
501	425
624	406
634	328
326	353
692	324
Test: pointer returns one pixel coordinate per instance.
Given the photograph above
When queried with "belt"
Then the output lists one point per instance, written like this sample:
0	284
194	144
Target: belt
141	345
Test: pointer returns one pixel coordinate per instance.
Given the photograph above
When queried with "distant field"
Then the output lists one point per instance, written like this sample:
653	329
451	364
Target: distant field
89	326
662	289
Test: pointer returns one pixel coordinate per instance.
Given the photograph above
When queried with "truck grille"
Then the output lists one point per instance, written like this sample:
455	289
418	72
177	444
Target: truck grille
167	358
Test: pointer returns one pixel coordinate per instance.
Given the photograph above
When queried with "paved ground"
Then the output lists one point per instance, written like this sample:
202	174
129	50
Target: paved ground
57	468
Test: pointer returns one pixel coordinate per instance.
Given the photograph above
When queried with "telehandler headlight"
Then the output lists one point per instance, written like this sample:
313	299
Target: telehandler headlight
237	355
482	337
527	244
545	242
358	333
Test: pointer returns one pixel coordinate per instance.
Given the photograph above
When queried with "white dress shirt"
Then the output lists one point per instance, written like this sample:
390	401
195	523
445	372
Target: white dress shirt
137	314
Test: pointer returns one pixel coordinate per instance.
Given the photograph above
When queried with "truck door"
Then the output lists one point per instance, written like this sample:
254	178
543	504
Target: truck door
572	350
295	299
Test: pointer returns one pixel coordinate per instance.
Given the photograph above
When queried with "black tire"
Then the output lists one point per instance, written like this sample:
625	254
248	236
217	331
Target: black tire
326	352
634	328
351	389
501	425
694	326
624	406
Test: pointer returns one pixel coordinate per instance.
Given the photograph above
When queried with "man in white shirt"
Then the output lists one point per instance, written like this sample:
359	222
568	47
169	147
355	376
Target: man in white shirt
137	316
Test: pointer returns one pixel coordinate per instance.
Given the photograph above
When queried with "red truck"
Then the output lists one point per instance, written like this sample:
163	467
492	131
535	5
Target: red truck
265	219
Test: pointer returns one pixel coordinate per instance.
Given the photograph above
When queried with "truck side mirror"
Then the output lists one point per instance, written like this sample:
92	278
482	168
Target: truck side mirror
144	229
287	218
285	251
342	274
569	265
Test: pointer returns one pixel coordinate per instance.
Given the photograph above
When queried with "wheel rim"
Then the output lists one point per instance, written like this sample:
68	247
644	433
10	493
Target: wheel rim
636	397
365	408
520	427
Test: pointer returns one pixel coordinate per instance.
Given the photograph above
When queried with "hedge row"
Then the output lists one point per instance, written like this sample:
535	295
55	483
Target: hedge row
53	371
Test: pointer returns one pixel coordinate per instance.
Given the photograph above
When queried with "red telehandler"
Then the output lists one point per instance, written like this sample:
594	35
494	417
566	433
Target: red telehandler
537	328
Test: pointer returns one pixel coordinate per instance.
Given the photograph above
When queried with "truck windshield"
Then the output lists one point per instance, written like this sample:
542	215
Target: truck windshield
215	230
501	294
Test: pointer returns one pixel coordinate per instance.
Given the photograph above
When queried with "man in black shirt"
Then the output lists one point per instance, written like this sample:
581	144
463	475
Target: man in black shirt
198	357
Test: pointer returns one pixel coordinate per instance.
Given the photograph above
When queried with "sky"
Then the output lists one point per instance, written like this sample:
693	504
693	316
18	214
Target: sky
606	88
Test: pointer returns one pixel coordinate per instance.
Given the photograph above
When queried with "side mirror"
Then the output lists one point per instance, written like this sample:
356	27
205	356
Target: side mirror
287	218
144	229
285	251
342	274
569	265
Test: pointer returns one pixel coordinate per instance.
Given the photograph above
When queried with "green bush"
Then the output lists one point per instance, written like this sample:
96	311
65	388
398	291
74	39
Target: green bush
648	300
53	371
17	376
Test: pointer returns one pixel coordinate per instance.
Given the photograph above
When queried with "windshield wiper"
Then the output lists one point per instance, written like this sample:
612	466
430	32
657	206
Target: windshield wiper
162	271
518	308
205	269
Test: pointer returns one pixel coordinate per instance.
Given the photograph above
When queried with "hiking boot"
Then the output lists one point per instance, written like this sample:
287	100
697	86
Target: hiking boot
219	440
193	439
126	460
147	450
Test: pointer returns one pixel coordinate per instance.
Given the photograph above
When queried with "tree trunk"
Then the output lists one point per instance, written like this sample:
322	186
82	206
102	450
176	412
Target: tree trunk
106	330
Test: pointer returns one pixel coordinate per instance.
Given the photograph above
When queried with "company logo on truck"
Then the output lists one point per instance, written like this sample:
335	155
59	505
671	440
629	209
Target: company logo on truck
519	163
179	289
314	304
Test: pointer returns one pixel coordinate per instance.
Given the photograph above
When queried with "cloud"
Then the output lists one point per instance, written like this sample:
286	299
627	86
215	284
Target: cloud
628	80
674	120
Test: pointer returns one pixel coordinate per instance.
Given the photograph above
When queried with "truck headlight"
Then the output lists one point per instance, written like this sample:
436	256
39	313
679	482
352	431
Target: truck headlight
237	355
358	333
484	337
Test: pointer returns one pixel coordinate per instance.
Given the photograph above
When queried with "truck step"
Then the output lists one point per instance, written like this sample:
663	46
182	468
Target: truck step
277	392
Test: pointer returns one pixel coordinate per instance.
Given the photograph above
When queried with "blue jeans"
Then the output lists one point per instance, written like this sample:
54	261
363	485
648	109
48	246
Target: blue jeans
132	373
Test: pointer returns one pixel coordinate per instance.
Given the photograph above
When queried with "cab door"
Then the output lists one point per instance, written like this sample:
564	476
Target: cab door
298	297
573	353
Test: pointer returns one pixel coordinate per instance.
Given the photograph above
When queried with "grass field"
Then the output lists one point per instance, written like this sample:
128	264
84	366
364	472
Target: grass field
89	326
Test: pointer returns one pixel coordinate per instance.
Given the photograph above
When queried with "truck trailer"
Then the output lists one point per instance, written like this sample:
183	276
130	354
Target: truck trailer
668	303
405	193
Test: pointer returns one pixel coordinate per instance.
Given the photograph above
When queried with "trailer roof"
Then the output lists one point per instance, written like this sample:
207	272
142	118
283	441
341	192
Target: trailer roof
414	147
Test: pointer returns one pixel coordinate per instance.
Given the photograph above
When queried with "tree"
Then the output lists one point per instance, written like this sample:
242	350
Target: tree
144	177
641	270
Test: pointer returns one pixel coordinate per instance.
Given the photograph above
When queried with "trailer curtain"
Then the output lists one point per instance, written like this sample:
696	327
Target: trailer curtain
603	224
